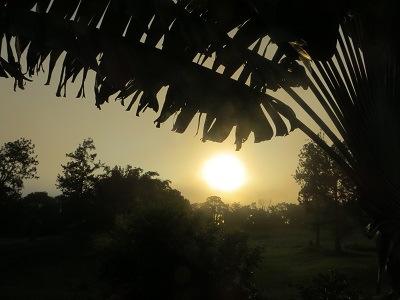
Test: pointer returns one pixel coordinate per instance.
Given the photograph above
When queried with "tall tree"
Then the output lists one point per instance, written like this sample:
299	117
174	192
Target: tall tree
324	187
215	209
18	162
81	171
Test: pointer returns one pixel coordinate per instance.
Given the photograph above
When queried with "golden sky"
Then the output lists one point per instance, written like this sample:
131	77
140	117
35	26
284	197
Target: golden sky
58	125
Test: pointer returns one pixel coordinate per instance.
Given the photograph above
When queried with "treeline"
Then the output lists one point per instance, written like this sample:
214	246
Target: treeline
94	195
254	218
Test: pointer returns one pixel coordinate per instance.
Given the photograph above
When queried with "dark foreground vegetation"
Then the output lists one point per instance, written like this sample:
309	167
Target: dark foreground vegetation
68	267
122	233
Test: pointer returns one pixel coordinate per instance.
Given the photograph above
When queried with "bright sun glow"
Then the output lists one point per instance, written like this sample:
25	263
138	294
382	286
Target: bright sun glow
224	172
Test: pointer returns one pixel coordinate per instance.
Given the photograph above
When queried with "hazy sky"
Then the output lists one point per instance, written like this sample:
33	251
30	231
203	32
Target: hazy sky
58	125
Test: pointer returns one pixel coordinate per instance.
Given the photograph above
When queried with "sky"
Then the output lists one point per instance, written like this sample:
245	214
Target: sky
57	125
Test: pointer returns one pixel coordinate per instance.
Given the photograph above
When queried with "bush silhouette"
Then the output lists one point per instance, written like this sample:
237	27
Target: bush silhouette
330	286
164	250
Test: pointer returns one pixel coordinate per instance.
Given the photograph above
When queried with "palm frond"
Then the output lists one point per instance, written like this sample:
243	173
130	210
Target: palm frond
359	85
113	30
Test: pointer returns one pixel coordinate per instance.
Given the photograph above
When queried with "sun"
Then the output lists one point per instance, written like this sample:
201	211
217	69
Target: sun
224	172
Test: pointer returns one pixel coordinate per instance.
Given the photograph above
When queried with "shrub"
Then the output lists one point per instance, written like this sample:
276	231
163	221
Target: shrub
330	286
165	251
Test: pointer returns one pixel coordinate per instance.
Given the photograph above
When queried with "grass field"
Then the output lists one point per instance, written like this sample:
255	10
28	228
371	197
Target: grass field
289	261
57	268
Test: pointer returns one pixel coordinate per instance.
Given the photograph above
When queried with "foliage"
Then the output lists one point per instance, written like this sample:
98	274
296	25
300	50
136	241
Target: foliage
79	174
165	250
250	218
314	174
62	267
130	66
17	163
215	209
77	182
327	192
40	215
36	214
330	286
321	179
121	190
238	218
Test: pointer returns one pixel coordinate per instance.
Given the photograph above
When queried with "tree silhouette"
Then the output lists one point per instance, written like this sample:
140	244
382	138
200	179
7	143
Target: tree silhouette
17	163
115	194
77	181
215	209
213	57
121	191
285	213
80	173
325	191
